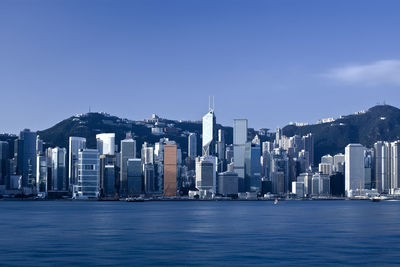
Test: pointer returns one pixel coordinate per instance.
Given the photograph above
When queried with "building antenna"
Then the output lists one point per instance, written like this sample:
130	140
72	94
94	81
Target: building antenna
213	104
209	102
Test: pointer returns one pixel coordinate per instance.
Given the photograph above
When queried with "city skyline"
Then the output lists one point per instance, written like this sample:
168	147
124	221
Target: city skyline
255	59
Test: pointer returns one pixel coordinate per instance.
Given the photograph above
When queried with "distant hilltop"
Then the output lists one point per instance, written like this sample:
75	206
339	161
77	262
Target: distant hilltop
381	122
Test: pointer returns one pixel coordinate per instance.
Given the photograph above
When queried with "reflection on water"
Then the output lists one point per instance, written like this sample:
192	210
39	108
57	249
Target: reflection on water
199	233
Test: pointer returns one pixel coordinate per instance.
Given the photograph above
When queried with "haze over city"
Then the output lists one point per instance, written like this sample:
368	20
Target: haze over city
270	62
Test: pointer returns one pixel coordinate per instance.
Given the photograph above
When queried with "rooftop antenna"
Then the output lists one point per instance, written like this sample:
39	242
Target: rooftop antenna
213	104
209	102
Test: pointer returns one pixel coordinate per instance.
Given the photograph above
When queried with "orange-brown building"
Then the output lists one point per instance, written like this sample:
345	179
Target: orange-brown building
170	170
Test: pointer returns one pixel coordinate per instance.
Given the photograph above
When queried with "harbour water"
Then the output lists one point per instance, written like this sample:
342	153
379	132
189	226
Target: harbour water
210	233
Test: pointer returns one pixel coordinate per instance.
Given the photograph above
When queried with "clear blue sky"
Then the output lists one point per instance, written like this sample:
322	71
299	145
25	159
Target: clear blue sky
269	61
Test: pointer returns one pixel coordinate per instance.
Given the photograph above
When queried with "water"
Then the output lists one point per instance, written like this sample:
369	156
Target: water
199	233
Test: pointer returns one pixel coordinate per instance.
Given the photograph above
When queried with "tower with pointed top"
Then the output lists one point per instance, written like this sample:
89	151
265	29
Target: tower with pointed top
209	132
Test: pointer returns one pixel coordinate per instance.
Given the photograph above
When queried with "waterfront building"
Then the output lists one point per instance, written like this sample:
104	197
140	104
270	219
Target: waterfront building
41	174
4	163
170	169
239	150
253	167
149	178
75	144
338	163
206	169
354	168
306	179
25	157
109	186
58	169
135	178
128	151
88	182
228	183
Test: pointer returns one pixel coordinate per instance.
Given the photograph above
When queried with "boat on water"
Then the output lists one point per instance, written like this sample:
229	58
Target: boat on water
275	201
134	199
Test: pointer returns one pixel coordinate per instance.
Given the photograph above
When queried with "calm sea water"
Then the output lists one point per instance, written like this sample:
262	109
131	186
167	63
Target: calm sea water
199	233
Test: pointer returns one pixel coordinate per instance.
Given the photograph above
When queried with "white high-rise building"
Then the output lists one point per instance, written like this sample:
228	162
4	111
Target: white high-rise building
395	166
325	168
386	167
75	144
354	169
378	147
88	183
106	143
338	163
209	135
128	151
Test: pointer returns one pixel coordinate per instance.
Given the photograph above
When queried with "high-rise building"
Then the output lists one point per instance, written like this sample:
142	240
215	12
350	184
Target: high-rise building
228	183
109	186
149	178
108	166
206	171
106	143
379	160
209	136
221	145
308	144
128	151
338	163
279	171
41	174
192	145
253	167
135	178
320	185
306	179
395	165
239	150
354	168
170	169
88	183
4	163
325	168
58	167
386	167
75	144
25	155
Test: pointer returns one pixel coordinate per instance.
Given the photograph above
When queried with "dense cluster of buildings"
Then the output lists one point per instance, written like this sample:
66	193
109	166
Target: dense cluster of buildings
280	167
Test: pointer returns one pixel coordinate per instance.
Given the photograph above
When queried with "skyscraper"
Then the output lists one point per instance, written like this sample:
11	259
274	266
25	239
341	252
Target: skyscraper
88	183
41	174
308	144
4	163
192	145
128	151
106	143
239	148
379	159
25	155
135	178
209	133
170	169
59	178
395	165
206	171
75	144
221	145
354	165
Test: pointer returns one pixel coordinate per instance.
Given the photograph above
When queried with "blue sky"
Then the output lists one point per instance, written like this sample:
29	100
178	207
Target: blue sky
269	61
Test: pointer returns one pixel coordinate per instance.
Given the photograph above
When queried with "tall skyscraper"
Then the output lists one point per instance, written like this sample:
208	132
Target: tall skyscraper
59	171
209	133
149	178
253	167
354	165
75	144
88	183
308	144
170	169
379	160
395	165
221	145
25	155
41	174
128	151
135	178
192	145
239	149
4	163
106	143
108	166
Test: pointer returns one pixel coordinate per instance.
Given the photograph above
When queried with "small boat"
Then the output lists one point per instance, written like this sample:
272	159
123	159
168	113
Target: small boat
275	201
375	199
